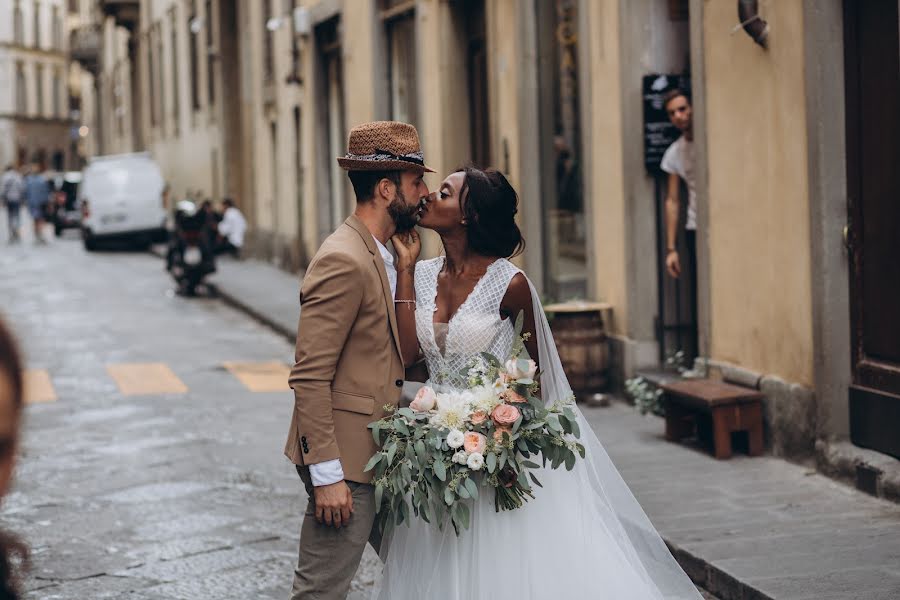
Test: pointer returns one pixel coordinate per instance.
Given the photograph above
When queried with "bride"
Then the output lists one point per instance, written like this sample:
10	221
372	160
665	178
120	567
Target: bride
584	535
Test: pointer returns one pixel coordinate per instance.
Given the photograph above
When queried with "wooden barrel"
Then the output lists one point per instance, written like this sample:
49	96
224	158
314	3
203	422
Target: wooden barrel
583	348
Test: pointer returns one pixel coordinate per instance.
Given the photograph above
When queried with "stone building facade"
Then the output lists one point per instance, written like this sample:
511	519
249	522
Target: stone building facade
34	100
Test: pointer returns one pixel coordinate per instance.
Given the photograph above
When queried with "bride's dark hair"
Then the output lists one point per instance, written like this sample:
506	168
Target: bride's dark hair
490	210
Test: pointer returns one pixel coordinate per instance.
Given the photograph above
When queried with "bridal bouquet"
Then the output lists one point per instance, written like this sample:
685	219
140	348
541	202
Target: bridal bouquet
438	452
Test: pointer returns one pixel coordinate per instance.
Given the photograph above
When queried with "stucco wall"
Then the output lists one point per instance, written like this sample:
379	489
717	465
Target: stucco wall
760	294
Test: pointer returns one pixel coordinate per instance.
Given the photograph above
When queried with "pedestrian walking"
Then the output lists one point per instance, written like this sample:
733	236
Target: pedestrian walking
37	195
13	553
12	189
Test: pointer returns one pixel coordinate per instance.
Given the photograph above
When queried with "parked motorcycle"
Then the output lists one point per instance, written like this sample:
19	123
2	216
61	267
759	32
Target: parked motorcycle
190	257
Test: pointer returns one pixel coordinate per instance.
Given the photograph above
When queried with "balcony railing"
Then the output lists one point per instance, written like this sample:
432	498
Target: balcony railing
84	46
125	12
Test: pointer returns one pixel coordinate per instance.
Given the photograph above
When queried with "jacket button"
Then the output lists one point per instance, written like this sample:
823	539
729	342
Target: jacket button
399	383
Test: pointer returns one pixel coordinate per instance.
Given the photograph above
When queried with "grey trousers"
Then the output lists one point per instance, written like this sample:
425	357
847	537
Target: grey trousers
329	557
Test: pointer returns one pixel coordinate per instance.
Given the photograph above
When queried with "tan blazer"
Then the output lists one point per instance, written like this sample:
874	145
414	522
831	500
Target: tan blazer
348	363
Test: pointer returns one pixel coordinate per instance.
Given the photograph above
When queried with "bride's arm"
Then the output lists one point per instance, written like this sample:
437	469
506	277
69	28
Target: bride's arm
516	300
407	247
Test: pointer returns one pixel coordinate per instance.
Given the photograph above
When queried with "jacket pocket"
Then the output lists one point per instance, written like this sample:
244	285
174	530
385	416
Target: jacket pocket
351	402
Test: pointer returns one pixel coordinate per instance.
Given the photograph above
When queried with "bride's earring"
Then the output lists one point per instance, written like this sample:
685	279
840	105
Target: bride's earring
464	222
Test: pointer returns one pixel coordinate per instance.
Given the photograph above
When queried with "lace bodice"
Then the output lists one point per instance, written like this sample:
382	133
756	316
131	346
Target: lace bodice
476	327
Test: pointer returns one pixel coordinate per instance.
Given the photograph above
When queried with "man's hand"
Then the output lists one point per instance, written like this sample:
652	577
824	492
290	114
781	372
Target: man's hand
673	265
407	245
334	503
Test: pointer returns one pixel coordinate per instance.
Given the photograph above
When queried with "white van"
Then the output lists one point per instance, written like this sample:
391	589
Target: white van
121	197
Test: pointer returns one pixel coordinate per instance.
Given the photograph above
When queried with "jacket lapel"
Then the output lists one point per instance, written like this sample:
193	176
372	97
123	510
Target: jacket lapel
378	262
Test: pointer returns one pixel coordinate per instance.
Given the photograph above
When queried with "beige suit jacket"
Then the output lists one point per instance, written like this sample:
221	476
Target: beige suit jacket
348	364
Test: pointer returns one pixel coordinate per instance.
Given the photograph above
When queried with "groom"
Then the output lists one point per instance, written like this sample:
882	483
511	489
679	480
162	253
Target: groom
348	363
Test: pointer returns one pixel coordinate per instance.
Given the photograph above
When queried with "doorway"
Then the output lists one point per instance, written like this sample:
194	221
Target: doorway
872	79
331	130
560	150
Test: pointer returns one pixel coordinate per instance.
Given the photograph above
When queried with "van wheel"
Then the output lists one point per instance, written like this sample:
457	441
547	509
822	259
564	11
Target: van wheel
90	244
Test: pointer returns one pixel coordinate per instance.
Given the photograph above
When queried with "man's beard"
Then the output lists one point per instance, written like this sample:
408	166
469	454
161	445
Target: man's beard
404	216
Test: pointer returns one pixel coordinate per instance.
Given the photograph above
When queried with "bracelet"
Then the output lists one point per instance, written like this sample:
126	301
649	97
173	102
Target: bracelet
405	301
670	250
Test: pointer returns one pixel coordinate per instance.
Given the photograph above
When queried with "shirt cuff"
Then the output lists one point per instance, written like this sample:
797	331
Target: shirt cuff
326	473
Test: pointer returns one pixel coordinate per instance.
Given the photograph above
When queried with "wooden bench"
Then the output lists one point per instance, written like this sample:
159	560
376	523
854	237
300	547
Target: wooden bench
691	403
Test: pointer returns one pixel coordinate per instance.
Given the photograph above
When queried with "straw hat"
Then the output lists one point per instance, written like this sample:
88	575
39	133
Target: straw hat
384	146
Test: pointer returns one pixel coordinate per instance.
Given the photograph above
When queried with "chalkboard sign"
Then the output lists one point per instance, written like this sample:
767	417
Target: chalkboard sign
659	133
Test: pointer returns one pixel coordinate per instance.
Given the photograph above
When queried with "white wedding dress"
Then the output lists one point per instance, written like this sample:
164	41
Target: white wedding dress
582	536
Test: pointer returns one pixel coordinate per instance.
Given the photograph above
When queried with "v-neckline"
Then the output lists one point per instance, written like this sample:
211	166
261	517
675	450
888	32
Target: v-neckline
459	308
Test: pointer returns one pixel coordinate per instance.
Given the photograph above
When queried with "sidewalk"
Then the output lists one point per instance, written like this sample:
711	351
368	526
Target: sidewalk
745	529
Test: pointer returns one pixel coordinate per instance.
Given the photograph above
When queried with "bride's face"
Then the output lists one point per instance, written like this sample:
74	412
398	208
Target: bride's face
443	211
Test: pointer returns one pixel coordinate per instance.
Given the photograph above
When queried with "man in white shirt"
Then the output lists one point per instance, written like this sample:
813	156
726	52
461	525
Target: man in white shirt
231	229
678	162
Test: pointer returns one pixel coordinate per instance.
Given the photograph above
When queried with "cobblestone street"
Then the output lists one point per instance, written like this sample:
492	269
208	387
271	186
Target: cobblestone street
151	466
148	470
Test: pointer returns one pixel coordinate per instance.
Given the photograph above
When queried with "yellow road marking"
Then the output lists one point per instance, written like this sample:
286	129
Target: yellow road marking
38	387
261	376
145	378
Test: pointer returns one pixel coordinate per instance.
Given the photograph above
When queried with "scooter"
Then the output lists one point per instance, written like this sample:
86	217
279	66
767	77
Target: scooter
190	257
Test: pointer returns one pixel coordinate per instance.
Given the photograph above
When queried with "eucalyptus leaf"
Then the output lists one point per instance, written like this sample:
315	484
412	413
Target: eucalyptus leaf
376	458
471	487
463	514
391	452
576	430
491	462
379	492
376	432
440	470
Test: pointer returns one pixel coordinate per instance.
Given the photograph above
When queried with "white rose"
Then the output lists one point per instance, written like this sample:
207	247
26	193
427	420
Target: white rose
521	368
475	461
460	457
455	438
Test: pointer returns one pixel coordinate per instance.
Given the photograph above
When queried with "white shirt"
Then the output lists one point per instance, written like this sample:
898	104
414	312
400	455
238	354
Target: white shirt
233	226
331	471
679	160
388	259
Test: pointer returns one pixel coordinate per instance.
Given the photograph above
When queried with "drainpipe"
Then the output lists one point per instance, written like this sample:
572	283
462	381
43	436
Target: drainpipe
755	26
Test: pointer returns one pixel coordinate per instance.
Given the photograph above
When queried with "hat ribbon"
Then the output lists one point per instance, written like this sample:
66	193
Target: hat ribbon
415	158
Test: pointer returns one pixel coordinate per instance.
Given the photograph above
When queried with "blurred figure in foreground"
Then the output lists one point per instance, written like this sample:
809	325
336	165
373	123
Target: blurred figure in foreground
231	229
13	553
12	190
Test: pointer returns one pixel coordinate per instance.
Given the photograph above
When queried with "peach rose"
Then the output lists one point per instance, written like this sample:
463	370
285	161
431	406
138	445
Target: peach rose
498	433
424	401
505	415
478	417
475	442
513	396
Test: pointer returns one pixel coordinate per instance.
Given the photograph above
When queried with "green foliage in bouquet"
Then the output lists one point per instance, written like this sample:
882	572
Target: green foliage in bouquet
438	455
